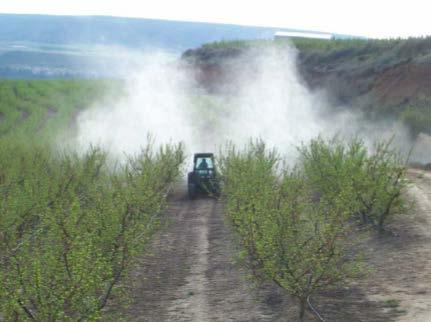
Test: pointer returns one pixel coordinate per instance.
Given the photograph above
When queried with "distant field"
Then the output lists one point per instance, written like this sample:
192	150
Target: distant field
40	109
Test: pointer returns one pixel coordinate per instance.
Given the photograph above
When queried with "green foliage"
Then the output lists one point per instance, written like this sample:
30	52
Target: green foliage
71	225
359	45
371	185
290	238
295	224
249	182
330	167
338	46
44	107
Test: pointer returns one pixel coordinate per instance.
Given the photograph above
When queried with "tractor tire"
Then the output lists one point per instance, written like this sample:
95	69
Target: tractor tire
191	190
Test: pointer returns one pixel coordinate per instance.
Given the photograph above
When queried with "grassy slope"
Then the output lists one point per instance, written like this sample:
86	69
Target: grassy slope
39	109
384	78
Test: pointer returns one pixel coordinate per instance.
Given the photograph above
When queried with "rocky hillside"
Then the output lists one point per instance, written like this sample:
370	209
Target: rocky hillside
384	78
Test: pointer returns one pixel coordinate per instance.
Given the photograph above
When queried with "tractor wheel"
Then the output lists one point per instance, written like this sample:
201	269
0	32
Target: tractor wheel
192	191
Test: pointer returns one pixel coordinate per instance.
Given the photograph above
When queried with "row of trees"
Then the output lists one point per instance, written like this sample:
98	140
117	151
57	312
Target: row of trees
71	225
47	106
296	225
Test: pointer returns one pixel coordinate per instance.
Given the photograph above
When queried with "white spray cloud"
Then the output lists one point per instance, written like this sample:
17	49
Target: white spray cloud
266	99
273	103
422	149
155	104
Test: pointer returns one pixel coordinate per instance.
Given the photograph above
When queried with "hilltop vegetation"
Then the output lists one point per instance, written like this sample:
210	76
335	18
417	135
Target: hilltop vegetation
305	45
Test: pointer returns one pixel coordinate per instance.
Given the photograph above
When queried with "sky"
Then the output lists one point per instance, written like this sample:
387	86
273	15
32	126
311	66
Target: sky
370	18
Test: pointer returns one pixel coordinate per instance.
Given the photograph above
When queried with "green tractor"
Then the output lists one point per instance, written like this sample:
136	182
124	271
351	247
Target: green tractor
203	179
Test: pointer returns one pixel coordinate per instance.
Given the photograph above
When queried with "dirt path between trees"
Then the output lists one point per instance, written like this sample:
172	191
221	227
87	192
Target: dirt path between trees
414	291
399	283
190	274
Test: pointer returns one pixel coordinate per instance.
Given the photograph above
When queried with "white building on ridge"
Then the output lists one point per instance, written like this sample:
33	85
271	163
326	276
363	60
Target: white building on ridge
302	34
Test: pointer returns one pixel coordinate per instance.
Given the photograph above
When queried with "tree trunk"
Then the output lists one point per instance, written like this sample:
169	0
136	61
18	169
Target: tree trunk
302	306
364	218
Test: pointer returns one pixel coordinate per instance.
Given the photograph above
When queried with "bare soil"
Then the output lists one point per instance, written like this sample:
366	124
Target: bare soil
401	83
410	283
190	273
398	284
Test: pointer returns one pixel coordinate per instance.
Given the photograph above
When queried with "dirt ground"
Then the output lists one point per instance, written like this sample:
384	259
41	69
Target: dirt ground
190	273
403	264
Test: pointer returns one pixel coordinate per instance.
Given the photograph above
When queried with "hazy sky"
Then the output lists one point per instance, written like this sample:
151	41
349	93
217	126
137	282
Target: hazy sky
372	18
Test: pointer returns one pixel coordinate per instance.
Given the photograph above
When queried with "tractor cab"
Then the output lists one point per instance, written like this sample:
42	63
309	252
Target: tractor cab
202	180
203	164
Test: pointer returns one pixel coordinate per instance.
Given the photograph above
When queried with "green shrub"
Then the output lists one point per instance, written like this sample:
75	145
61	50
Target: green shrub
330	166
70	226
295	225
380	185
249	182
289	237
370	184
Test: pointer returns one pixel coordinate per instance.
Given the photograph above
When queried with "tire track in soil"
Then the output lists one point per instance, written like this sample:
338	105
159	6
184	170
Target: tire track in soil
416	294
191	301
402	263
189	273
